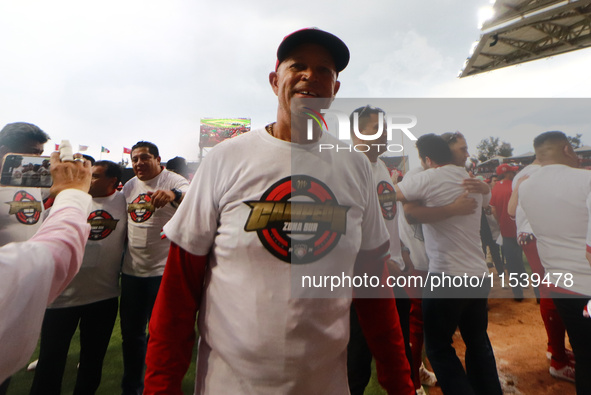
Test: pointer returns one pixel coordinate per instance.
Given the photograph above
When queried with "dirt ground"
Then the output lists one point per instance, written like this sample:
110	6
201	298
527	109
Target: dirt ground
519	341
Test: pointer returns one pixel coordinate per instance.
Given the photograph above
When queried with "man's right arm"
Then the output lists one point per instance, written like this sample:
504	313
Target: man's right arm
172	326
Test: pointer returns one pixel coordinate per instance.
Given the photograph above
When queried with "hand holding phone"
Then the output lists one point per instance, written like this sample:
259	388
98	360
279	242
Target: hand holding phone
69	174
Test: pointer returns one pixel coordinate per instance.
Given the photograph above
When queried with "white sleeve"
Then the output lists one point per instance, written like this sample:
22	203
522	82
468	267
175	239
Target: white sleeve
26	271
415	187
194	225
181	184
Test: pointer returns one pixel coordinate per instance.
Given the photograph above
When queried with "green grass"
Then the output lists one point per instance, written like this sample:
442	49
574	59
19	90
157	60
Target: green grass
113	371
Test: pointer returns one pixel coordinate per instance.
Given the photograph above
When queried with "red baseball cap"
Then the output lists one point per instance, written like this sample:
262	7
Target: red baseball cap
334	45
506	168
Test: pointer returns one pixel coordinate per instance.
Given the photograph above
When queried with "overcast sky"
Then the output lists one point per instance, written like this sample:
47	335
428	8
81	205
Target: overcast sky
115	72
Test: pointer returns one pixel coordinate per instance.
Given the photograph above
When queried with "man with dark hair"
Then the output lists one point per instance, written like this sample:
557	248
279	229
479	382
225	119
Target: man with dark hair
237	263
433	151
555	201
111	171
359	355
34	272
153	196
561	359
458	146
454	250
178	164
152	148
22	138
20	224
91	299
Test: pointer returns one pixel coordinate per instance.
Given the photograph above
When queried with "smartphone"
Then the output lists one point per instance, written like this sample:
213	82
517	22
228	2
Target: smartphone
26	171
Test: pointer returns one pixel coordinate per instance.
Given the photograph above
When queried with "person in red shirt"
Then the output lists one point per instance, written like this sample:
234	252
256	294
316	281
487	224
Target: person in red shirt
501	193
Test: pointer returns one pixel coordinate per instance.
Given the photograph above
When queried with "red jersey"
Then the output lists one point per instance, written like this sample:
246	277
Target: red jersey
501	193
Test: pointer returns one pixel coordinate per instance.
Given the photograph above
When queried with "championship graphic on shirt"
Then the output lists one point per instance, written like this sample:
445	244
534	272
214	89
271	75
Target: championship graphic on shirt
387	199
26	209
102	224
141	209
298	219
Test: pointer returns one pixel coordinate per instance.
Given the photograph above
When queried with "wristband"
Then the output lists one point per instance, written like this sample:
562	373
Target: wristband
177	195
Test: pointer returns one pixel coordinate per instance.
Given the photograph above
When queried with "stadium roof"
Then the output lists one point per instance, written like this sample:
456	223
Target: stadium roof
526	30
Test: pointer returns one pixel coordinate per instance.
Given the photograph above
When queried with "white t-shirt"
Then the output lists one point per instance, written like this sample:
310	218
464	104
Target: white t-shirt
520	219
257	212
453	245
98	278
21	213
147	251
388	207
554	200
412	234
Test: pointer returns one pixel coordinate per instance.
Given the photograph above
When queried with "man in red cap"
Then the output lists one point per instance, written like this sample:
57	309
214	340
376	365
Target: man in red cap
501	193
242	240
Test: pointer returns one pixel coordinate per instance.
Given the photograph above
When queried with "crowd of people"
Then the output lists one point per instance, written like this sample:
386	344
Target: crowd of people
212	135
228	250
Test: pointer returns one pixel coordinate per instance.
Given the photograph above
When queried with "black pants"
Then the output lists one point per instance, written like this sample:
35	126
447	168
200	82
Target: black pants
138	295
488	241
358	353
579	334
445	310
96	326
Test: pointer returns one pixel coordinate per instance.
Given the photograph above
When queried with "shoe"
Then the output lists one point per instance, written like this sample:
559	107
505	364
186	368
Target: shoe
32	366
566	373
427	378
421	391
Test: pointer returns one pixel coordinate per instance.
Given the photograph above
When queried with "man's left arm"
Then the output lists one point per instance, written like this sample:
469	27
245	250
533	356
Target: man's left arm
379	321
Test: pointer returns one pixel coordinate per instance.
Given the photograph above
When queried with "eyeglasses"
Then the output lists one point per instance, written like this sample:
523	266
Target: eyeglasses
452	137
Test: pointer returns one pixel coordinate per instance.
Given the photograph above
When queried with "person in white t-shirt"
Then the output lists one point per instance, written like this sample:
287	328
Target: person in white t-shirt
20	217
91	299
264	210
358	353
412	236
554	200
152	196
454	250
34	272
561	359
